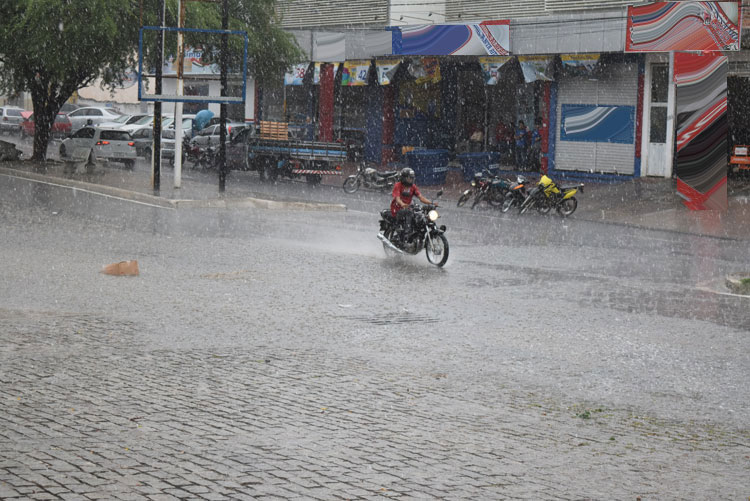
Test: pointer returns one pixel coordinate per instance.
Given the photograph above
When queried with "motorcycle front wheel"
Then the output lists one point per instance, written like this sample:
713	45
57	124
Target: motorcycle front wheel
507	204
480	196
543	207
351	184
465	196
567	207
436	249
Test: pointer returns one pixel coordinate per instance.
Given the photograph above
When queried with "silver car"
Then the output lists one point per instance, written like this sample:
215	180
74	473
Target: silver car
99	143
91	115
10	119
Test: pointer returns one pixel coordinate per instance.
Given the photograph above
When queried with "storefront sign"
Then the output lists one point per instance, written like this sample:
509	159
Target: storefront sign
683	26
486	38
316	72
598	124
386	70
491	68
425	70
536	68
579	64
297	75
355	73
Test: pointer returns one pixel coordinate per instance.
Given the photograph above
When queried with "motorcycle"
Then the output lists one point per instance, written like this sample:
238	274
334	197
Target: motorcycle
546	195
426	234
485	186
190	151
370	178
206	158
517	193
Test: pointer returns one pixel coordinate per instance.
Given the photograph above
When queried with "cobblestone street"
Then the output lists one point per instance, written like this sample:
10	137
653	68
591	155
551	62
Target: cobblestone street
256	359
89	415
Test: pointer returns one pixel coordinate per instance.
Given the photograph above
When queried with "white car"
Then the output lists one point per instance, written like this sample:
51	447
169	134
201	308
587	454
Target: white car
95	143
122	121
91	115
147	121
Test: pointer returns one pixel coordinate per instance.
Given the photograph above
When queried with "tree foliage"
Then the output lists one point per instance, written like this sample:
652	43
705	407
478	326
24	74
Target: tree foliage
51	48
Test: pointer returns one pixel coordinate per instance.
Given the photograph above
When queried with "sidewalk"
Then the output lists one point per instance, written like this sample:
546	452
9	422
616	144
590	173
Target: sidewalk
650	203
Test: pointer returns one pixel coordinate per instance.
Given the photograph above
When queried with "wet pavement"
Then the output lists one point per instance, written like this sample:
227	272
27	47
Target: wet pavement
651	203
268	354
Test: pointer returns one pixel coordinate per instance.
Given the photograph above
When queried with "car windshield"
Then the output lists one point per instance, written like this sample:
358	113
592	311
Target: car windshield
122	119
145	120
61	118
115	135
13	113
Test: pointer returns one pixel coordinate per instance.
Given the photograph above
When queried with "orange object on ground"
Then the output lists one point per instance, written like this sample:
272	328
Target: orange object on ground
129	268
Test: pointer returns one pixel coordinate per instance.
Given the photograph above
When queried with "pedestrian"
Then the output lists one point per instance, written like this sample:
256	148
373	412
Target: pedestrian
521	144
504	137
535	146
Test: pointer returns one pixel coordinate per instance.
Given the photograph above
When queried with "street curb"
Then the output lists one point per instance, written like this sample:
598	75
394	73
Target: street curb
738	284
225	203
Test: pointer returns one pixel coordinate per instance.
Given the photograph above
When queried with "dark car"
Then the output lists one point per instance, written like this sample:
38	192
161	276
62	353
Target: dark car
61	127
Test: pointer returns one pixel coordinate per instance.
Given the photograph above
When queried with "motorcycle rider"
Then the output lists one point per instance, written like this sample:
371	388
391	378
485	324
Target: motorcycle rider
403	192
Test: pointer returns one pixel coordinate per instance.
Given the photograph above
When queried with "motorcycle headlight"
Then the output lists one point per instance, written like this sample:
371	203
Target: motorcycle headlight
433	215
473	183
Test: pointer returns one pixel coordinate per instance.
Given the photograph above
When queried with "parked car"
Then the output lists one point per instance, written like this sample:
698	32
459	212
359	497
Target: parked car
91	115
209	136
61	127
147	122
68	107
123	120
102	143
143	139
10	119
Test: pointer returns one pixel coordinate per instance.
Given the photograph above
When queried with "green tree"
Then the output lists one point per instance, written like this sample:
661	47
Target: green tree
51	48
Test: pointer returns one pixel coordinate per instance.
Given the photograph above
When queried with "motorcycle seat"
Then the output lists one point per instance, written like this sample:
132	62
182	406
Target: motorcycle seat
387	173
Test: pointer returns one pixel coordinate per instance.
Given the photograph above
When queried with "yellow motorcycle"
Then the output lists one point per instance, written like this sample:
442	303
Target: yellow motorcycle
546	195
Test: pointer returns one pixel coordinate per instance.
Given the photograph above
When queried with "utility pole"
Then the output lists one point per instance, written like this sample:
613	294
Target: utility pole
223	106
180	91
156	156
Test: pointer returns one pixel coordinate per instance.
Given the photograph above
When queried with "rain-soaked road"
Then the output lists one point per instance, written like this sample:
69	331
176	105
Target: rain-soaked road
278	353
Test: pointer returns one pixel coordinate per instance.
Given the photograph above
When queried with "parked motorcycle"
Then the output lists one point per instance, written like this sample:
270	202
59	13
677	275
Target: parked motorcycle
426	234
206	158
190	152
370	178
546	195
517	193
485	186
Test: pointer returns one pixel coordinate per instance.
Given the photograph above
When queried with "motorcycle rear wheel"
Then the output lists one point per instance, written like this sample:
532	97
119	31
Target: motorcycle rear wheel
388	251
465	196
496	198
437	249
567	207
480	196
351	184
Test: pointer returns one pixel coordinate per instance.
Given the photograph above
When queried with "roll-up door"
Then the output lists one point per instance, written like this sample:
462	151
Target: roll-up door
596	116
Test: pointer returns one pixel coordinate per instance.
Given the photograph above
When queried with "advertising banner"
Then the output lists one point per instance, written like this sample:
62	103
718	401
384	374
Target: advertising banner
316	72
536	68
425	69
488	38
297	75
683	26
491	67
355	73
386	70
702	128
579	64
598	124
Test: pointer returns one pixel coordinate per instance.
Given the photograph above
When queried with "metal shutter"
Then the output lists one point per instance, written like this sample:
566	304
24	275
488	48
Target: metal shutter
618	86
317	13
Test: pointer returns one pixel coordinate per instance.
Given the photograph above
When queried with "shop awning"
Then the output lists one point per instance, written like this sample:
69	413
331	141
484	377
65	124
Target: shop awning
481	39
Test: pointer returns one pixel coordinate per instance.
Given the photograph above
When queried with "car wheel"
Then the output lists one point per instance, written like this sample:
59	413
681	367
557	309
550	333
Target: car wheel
147	155
63	151
129	164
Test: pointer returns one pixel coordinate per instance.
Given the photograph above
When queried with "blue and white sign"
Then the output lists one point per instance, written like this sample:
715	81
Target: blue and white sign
598	124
